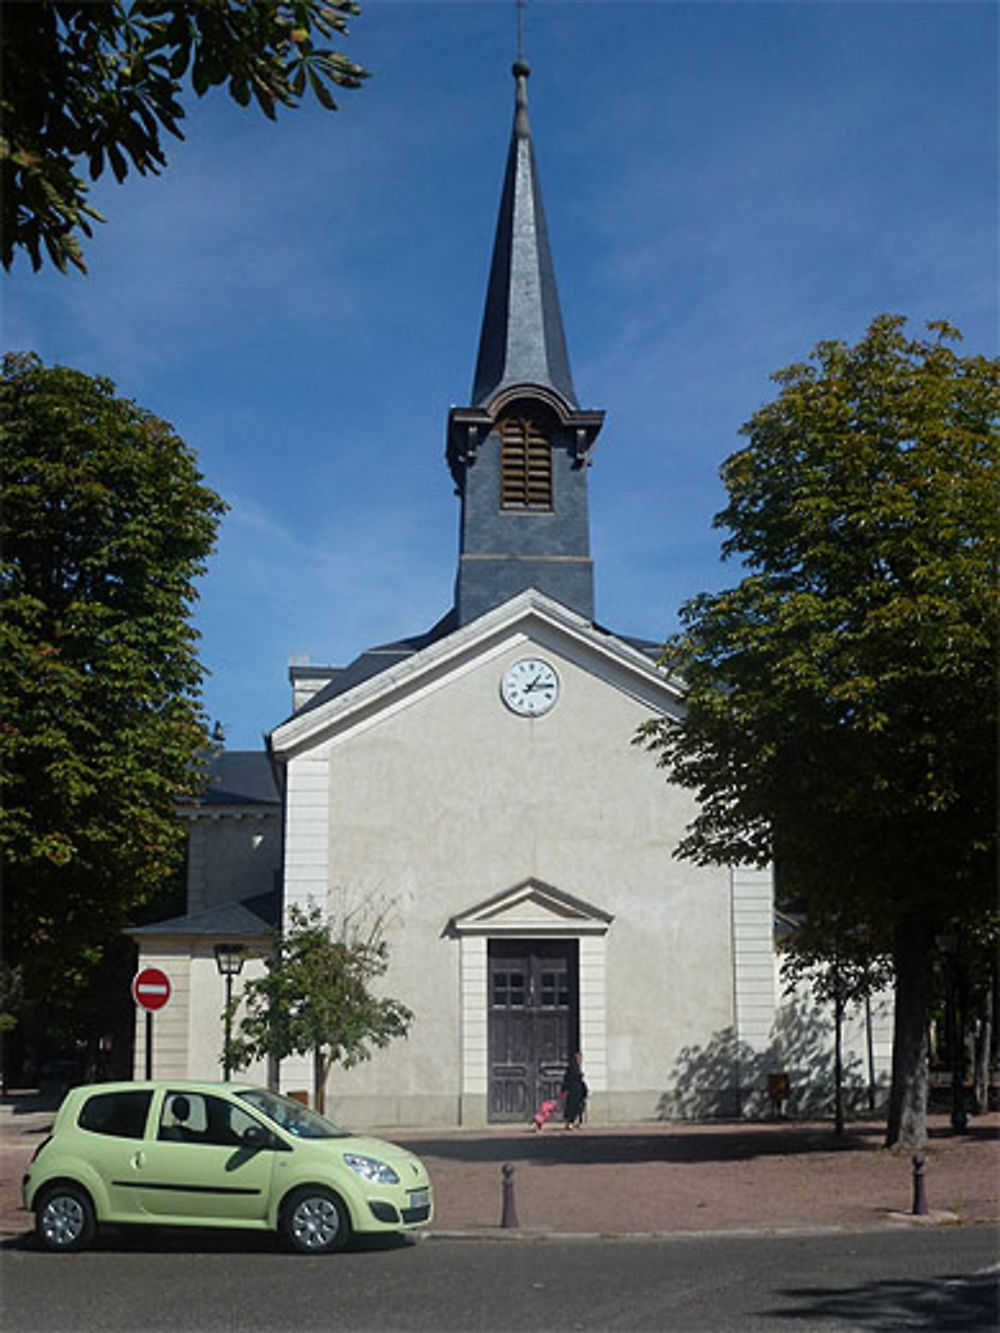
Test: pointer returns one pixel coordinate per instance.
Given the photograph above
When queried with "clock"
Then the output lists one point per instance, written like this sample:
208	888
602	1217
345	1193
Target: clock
530	687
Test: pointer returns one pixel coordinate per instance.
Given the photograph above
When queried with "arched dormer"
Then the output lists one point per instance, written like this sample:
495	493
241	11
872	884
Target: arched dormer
525	458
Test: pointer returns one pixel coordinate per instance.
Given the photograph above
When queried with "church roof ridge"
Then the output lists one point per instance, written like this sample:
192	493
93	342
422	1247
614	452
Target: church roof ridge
340	700
522	341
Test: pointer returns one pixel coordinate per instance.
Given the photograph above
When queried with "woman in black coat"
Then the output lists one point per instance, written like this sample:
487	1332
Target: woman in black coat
575	1089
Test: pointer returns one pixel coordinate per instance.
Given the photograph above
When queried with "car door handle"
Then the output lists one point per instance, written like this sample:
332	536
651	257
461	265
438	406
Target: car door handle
139	1159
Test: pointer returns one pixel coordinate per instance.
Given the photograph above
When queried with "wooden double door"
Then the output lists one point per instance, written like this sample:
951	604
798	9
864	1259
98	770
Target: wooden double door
534	1023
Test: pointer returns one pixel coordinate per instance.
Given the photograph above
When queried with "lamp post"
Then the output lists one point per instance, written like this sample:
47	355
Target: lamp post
229	961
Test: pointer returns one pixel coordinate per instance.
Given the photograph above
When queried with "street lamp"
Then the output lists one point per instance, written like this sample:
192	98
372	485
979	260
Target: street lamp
229	960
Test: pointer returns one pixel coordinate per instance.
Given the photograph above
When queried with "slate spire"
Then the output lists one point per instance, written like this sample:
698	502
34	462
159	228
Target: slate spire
522	339
519	452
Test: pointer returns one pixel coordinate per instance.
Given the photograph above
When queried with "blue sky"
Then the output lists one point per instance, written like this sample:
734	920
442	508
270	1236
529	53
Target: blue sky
725	184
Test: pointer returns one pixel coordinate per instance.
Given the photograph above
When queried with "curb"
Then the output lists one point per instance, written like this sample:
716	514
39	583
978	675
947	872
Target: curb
510	1235
892	1220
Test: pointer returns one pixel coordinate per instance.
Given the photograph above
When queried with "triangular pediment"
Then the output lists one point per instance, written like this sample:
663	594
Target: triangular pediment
529	618
531	908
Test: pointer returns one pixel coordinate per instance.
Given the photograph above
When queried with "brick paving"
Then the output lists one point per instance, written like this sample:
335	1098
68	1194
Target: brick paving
657	1177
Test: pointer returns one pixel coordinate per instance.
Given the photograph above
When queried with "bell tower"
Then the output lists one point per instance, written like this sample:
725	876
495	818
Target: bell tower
519	454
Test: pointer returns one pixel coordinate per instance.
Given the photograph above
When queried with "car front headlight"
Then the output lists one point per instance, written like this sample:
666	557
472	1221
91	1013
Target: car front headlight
369	1168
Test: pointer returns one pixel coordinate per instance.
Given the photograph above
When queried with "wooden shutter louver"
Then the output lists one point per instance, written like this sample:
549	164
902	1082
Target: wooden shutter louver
525	465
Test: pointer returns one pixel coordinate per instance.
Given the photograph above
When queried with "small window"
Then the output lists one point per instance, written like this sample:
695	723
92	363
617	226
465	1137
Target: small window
508	990
555	990
525	465
119	1114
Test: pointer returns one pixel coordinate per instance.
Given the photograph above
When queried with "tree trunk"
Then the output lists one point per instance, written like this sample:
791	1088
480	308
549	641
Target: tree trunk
870	1045
907	1126
838	1064
319	1080
984	1044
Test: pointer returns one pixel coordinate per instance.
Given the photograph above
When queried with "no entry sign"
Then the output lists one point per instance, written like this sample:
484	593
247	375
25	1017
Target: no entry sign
151	988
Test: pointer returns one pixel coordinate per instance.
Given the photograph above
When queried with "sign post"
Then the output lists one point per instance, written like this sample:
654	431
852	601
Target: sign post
150	991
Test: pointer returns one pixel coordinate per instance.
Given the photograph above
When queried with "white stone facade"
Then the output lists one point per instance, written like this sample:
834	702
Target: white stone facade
420	792
421	796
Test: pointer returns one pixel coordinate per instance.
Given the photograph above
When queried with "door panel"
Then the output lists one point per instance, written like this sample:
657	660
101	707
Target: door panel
199	1165
206	1181
532	1023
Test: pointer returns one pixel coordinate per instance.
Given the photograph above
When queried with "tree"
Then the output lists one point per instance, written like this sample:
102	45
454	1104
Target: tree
841	965
842	699
105	526
98	83
315	999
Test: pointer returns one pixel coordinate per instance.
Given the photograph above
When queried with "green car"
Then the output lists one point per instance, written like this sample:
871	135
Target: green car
216	1155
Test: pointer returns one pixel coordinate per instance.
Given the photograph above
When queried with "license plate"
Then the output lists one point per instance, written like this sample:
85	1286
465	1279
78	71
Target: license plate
419	1198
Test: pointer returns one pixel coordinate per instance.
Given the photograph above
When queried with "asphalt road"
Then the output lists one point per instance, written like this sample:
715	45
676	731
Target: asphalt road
941	1279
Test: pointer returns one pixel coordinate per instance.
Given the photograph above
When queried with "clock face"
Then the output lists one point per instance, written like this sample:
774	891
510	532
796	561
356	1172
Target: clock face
530	687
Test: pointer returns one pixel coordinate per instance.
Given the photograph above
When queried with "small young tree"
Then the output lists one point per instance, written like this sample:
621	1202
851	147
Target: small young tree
842	963
315	998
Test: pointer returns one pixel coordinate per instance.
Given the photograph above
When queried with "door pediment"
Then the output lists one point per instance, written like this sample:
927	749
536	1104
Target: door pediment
531	908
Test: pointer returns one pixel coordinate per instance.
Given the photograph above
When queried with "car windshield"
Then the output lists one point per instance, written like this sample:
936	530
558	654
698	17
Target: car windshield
291	1115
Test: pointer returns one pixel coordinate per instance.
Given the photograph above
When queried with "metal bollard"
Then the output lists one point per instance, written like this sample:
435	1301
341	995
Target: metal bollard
508	1217
919	1194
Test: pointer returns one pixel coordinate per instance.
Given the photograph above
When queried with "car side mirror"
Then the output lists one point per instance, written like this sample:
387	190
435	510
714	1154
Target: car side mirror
256	1136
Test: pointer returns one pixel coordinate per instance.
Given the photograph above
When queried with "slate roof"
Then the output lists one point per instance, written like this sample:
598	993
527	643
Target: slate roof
240	777
248	918
373	661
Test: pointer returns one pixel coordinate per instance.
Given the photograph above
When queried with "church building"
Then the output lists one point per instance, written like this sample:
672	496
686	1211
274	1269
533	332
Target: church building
476	788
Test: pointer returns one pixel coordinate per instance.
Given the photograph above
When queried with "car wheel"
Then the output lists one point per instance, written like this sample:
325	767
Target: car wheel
64	1219
314	1221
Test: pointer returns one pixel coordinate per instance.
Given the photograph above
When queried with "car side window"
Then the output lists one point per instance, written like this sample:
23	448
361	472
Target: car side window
119	1114
194	1117
182	1118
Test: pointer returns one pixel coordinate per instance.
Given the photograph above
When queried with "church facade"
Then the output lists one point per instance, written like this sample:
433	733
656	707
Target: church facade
475	788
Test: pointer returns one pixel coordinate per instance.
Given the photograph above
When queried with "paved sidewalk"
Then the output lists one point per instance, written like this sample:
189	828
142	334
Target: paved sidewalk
656	1178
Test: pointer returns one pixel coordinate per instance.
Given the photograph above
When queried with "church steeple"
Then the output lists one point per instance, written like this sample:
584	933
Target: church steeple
522	340
519	453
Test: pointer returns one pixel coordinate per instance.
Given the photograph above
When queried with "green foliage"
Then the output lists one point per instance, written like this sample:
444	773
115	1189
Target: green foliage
98	83
11	996
316	999
105	526
842	698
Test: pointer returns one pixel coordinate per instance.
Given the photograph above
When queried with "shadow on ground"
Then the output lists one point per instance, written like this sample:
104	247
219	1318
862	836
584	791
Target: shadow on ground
608	1148
703	1143
193	1240
965	1304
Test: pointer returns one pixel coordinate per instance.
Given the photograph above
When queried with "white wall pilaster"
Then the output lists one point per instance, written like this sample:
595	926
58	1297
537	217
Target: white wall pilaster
593	1010
306	867
754	985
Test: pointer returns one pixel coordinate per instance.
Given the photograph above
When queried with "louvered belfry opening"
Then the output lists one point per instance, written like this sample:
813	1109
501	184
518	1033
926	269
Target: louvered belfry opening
525	465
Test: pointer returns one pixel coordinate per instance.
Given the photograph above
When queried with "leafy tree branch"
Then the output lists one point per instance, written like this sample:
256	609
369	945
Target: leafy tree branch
96	85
